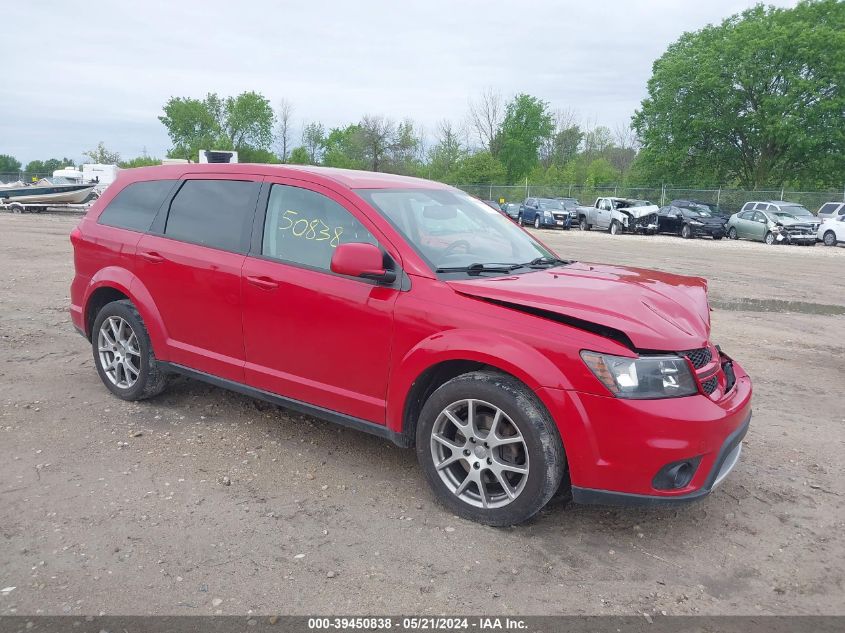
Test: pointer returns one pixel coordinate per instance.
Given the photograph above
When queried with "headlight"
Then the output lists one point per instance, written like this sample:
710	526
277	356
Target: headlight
777	228
696	223
547	215
645	377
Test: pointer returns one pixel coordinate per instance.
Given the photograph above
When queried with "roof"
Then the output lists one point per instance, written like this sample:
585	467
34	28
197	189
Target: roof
350	178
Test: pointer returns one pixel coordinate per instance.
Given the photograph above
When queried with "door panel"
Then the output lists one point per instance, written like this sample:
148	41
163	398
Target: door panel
197	292
310	334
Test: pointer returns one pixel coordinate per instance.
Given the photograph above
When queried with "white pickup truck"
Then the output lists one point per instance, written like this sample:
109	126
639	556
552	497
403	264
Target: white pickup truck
619	214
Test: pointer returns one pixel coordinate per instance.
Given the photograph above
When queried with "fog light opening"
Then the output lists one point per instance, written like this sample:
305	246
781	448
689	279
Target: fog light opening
676	474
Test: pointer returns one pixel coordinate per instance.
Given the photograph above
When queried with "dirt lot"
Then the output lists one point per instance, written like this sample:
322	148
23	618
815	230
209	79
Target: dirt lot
114	507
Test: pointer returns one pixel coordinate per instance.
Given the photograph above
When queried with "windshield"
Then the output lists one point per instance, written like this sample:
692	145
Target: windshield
698	210
550	204
450	229
797	210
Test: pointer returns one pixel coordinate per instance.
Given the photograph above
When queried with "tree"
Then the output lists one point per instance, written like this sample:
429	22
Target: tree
527	124
376	135
562	145
9	164
758	99
47	166
485	117
241	123
344	147
101	156
314	141
601	172
597	141
481	168
447	152
300	156
284	116
140	161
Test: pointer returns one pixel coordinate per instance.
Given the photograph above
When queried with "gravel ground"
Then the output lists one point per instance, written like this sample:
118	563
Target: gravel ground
202	501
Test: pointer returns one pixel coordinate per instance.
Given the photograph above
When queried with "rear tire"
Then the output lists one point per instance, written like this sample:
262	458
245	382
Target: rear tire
525	452
732	233
583	224
519	220
829	238
123	353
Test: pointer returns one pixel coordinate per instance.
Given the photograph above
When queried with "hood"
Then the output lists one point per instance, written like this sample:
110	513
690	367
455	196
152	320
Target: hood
791	220
652	310
638	212
711	221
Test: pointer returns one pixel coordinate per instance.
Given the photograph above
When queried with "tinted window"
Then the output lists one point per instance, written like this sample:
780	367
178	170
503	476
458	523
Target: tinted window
136	205
214	213
830	207
304	227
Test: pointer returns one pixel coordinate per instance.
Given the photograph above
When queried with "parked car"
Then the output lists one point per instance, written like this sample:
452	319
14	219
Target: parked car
571	205
618	215
511	209
544	213
832	231
830	211
410	310
771	226
690	219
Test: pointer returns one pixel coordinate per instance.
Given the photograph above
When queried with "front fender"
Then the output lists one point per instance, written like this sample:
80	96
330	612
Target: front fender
502	352
124	281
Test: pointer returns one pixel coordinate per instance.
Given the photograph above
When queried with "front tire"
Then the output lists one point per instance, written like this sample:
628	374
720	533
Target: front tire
536	221
489	449
732	233
686	232
123	353
829	238
614	227
770	238
583	224
519	220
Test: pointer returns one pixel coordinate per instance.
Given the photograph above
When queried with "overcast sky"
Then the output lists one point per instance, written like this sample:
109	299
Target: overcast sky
81	72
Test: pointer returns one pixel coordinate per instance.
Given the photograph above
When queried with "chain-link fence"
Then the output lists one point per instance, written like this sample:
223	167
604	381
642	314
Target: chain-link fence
728	200
23	176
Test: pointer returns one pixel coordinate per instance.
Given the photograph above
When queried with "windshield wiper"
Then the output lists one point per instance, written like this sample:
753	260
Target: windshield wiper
477	268
547	262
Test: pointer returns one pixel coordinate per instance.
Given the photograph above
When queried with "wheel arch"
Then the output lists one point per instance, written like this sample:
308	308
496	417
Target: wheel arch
438	359
114	284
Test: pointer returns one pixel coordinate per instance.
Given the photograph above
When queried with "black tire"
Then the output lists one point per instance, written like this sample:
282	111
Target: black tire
519	220
614	227
717	237
732	233
583	224
769	238
686	232
152	379
546	457
829	238
537	224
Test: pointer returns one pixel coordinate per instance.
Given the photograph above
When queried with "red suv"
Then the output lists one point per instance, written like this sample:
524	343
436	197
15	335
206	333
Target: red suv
410	310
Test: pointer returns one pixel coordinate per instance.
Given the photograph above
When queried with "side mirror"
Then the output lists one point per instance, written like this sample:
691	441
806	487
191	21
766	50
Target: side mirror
357	259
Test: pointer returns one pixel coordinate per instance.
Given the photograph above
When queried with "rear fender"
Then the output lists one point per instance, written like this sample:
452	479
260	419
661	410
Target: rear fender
123	280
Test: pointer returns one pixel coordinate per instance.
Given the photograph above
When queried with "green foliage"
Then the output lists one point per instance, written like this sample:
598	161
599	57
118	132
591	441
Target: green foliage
240	123
344	147
100	155
9	164
313	142
601	172
140	161
757	99
48	166
480	168
253	155
526	124
299	156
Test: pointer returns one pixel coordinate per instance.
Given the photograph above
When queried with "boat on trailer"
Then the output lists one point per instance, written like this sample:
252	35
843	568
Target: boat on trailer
46	192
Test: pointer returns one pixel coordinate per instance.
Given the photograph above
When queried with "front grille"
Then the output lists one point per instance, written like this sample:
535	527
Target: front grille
560	216
699	357
647	219
710	385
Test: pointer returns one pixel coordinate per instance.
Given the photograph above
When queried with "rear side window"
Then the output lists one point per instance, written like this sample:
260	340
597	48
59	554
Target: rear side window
830	207
213	213
136	205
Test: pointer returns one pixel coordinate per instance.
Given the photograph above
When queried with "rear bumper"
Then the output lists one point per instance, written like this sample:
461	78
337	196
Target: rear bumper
616	447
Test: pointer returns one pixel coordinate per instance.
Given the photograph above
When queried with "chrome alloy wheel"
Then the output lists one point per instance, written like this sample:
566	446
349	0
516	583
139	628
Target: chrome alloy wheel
479	453
119	352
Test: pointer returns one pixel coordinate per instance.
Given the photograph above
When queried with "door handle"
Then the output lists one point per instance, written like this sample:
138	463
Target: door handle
153	258
264	283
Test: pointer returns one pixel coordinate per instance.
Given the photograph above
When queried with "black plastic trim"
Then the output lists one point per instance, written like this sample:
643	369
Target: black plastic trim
348	421
592	496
